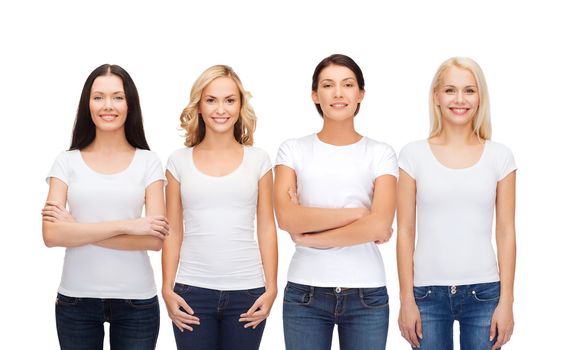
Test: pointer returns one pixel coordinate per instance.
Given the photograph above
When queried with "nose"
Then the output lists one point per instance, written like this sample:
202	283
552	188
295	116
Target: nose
108	103
460	97
338	91
220	108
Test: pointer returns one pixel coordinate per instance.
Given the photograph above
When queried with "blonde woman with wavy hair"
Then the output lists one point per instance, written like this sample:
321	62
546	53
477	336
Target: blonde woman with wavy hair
191	119
219	284
449	188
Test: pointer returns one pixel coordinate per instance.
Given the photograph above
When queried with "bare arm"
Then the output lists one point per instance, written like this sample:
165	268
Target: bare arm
503	319
179	311
294	218
409	316
374	227
62	233
154	206
267	239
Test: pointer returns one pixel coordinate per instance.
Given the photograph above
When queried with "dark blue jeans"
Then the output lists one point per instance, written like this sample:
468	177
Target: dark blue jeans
134	323
472	305
219	313
310	314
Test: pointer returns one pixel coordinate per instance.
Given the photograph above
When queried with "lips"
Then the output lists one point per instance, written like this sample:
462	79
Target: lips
459	111
108	117
339	105
220	120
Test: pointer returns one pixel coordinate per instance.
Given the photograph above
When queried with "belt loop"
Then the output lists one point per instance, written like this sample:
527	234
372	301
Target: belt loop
312	290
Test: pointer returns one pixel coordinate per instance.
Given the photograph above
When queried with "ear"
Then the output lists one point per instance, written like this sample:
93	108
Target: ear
361	96
315	97
435	98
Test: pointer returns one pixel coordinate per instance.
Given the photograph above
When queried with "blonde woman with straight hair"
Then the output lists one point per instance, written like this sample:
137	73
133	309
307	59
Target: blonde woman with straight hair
219	284
449	188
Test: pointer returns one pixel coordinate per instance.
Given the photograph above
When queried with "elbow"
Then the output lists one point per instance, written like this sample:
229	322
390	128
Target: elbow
156	245
48	236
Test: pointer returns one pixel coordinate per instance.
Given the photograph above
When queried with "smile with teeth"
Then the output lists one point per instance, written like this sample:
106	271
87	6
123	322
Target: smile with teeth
108	117
459	111
220	120
339	105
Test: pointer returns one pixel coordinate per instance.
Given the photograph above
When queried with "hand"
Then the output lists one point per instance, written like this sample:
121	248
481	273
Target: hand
55	212
384	236
293	196
410	323
501	323
260	310
157	226
179	311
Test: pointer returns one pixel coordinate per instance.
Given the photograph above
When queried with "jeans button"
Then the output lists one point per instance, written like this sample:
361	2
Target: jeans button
338	290
453	289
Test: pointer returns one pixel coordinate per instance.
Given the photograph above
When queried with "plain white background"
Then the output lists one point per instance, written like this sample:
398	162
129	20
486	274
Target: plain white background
50	47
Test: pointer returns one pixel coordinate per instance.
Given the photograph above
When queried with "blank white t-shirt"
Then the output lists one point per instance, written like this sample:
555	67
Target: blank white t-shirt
219	249
91	271
455	210
331	176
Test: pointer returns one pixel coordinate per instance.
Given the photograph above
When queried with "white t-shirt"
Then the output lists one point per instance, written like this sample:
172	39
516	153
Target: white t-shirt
331	176
91	271
219	250
455	214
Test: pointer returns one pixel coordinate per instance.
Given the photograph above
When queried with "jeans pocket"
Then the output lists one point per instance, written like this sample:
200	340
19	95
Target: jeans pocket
421	293
65	300
143	303
296	296
180	288
486	291
374	297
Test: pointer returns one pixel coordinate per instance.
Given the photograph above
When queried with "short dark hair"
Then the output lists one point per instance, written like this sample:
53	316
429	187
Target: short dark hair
83	133
338	60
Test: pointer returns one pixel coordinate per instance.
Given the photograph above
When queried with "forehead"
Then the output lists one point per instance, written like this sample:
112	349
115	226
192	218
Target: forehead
457	76
107	83
223	86
336	72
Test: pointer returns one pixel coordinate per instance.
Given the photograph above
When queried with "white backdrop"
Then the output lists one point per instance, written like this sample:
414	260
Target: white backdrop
49	48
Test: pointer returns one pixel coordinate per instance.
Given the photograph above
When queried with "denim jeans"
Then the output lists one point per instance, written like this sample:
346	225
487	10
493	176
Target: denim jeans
219	313
134	323
472	305
310	314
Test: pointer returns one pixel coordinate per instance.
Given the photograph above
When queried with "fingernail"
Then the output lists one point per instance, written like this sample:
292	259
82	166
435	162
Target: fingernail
420	336
490	338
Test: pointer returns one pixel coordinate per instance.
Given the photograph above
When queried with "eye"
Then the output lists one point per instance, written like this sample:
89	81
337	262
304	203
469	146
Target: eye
97	98
210	100
326	86
349	85
231	101
449	91
470	91
119	98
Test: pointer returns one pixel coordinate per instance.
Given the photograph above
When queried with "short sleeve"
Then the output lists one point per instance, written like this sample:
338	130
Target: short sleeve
386	163
265	164
172	166
154	169
285	155
406	161
506	163
60	168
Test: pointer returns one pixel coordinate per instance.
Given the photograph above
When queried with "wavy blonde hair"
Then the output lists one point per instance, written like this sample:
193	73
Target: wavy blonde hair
481	124
192	121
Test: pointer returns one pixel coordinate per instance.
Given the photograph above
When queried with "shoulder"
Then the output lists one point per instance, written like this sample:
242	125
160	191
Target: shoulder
256	151
298	142
413	147
67	157
497	148
180	153
147	155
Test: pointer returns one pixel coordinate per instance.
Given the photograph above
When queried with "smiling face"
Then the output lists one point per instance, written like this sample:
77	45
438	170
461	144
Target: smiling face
108	105
457	96
220	105
338	93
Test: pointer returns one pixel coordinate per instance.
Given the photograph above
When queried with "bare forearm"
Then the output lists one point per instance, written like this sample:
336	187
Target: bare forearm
170	261
72	234
405	249
364	230
506	255
299	219
130	242
269	258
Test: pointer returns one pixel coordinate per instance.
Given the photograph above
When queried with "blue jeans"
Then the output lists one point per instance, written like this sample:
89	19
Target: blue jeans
310	314
472	305
134	323
219	313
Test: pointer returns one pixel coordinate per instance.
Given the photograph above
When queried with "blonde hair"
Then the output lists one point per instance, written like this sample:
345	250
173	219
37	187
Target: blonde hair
192	121
481	124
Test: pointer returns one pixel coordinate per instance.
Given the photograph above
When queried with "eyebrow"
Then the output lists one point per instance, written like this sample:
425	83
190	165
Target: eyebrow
467	86
329	79
232	95
113	93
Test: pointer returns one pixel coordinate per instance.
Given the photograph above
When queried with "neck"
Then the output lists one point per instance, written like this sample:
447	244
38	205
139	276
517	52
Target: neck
113	141
339	132
218	141
459	135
